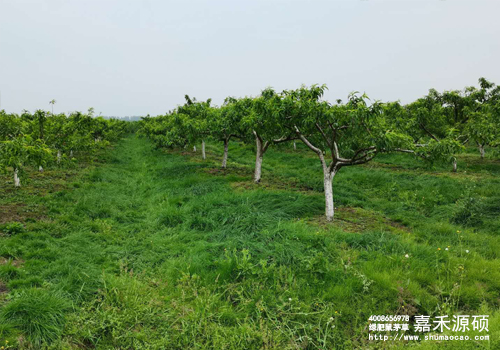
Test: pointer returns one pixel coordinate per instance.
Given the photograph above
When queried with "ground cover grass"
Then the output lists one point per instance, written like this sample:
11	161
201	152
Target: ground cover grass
160	250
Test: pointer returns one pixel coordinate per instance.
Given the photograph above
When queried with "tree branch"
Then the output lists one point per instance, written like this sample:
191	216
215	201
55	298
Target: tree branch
363	150
428	132
324	136
306	141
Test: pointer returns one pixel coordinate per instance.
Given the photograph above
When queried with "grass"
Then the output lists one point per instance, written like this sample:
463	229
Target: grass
161	250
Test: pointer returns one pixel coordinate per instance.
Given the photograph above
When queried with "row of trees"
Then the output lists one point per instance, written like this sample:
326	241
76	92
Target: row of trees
435	127
467	116
42	138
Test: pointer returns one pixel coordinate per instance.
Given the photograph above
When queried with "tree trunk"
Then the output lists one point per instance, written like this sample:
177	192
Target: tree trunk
17	181
224	158
58	156
294	146
71	154
328	176
203	155
455	166
40	168
258	160
481	150
194	148
327	181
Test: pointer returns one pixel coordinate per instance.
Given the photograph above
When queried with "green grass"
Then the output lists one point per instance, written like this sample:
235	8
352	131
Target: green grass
161	250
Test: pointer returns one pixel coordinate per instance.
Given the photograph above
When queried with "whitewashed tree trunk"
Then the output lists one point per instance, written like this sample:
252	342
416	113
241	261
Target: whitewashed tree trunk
328	175
259	155
258	168
455	166
17	180
203	154
58	156
71	154
40	169
258	160
481	150
327	183
294	146
194	148
224	158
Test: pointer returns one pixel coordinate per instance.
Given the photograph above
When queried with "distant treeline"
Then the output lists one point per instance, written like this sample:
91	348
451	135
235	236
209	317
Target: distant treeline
127	118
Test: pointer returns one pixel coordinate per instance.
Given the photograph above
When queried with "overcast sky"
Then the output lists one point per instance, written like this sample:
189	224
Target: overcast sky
138	57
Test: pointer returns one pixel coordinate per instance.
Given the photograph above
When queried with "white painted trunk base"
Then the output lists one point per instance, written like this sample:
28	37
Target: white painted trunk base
258	168
481	150
224	158
17	180
203	155
329	208
194	148
455	166
294	146
258	160
40	169
58	156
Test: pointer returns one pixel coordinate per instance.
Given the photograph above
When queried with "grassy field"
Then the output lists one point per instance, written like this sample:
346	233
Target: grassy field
150	249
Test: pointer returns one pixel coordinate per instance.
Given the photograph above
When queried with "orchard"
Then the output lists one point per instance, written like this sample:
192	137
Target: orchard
434	128
40	140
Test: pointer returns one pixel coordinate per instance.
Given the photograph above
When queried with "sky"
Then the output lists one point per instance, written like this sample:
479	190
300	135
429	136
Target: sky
127	58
